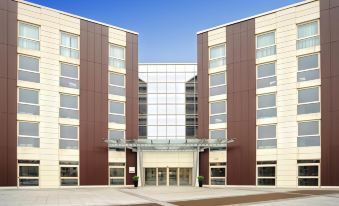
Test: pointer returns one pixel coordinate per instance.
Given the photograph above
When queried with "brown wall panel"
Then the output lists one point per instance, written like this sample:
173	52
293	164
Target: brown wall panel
203	108
8	93
241	103
132	101
329	32
93	101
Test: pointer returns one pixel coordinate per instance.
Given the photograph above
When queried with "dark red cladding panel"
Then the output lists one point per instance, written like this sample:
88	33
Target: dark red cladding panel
241	107
132	101
8	93
329	32
93	101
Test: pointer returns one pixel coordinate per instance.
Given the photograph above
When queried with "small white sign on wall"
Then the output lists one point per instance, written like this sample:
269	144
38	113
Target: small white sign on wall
131	170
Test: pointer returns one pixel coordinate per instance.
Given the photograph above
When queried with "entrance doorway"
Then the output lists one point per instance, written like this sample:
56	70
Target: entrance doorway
168	177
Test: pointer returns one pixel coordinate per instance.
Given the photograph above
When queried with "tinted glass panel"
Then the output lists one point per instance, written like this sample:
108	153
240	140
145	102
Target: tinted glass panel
215	119
218	107
309	108
29	171
68	132
68	172
267	113
28	63
308	181
218	181
117	181
217	79
264	40
266	131
265	70
28	142
266	181
217	134
69	144
266	101
218	172
267	144
28	96
28	182
308	62
266	171
116	134
116	107
68	70
308	95
69	182
29	76
308	170
309	141
116	172
308	128
69	101
29	129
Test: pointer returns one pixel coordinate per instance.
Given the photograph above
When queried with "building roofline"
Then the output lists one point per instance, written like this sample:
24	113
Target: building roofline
167	63
256	16
76	16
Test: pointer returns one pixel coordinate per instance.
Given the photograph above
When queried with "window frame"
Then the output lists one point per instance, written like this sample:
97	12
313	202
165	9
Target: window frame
30	104
115	85
69	48
319	132
116	178
213	59
310	69
271	177
69	178
308	177
71	78
112	57
27	38
216	86
67	139
27	177
275	107
66	108
211	115
218	165
257	133
27	136
308	22
30	71
266	77
305	103
265	47
122	115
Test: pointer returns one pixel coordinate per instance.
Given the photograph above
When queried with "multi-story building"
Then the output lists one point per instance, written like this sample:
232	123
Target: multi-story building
259	108
63	92
281	98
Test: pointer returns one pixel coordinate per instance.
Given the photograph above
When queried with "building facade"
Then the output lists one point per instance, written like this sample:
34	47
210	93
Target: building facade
259	108
280	100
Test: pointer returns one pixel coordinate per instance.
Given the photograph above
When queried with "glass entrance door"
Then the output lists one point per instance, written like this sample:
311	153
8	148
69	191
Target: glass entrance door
162	176
150	176
173	176
185	176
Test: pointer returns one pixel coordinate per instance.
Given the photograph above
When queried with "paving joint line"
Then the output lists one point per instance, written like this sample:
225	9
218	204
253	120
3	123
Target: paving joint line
152	200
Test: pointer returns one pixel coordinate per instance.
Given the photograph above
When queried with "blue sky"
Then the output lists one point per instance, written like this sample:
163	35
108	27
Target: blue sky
167	28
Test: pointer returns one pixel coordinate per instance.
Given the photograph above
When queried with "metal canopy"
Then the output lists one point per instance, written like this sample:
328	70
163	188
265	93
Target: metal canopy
168	145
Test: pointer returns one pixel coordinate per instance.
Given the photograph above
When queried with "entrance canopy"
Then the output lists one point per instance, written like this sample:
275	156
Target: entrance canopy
168	144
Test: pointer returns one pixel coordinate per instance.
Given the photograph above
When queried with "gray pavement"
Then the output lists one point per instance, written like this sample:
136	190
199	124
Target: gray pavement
146	195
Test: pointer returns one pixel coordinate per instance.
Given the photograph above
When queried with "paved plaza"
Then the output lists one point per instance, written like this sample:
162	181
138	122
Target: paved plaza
182	196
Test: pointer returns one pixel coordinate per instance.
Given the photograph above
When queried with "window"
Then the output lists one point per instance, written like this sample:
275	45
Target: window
116	112
308	67
68	137
308	35
218	173
267	138
266	173
28	173
309	134
69	107
218	84
308	172
29	37
266	45
116	84
218	112
69	45
218	134
117	173
217	56
308	101
266	106
28	69
28	134
69	76
116	135
28	101
266	76
117	56
69	173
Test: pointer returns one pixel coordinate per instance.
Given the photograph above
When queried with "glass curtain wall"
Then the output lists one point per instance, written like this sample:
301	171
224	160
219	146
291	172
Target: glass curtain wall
167	101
